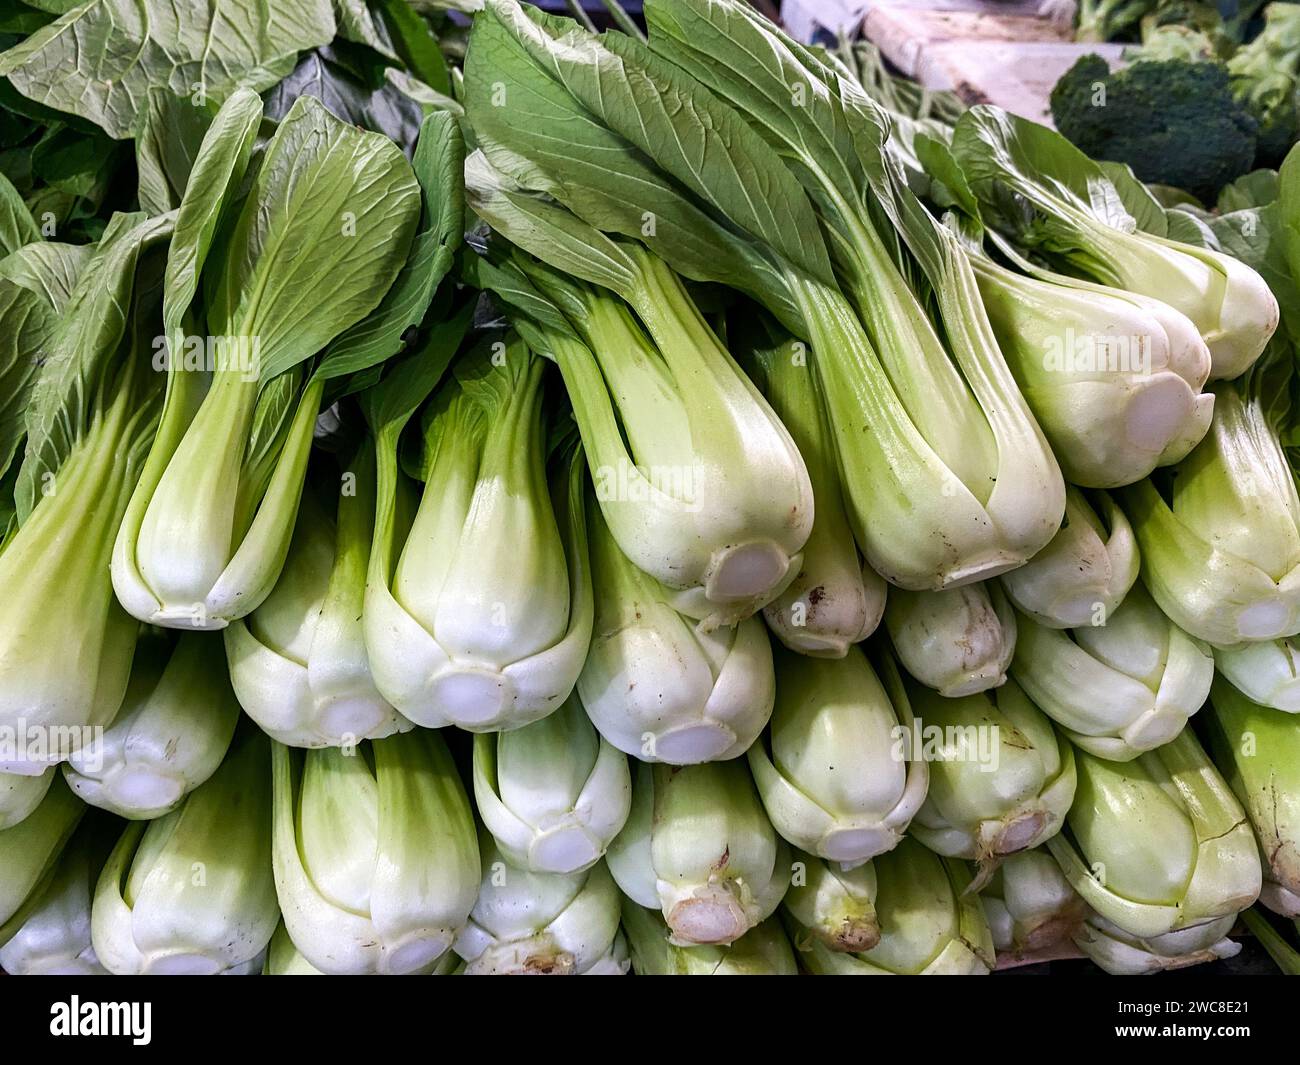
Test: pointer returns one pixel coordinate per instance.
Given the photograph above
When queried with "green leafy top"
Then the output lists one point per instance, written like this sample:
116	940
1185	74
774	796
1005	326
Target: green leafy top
85	349
99	59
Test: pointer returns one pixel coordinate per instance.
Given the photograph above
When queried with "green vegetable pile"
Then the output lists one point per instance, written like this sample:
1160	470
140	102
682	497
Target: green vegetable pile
480	495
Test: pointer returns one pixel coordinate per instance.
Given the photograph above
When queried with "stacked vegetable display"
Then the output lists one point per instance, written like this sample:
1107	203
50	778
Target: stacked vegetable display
683	511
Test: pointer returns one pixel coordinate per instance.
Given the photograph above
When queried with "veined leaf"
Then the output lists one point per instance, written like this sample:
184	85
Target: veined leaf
357	23
100	59
213	181
547	230
166	147
17	226
380	107
561	148
329	202
35	283
749	63
84	344
701	142
1006	159
439	164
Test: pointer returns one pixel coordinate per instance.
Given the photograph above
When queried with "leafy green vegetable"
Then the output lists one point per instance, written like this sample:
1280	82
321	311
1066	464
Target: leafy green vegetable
89	421
1001	779
830	775
1220	538
834	905
298	662
657	685
1118	688
1046	194
486	618
631	106
99	60
1029	904
713	878
1166	890
837	599
958	641
532	923
54	938
172	731
931	923
376	862
552	794
205	540
1266	671
192	892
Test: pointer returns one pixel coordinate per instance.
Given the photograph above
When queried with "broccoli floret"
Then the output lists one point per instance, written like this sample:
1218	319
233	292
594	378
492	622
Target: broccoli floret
1175	122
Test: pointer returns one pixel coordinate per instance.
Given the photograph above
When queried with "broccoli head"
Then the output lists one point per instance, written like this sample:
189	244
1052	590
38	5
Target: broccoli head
1174	121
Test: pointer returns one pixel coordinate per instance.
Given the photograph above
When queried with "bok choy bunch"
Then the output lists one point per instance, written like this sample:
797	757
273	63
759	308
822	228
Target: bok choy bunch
1119	688
833	774
298	662
170	735
1220	537
931	923
192	892
998	486
1001	779
834	905
1258	750
542	924
958	641
553	794
1161	851
1083	575
1113	377
1101	225
375	856
953	482
698	480
837	599
656	684
1029	904
486	618
698	847
89	422
330	207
